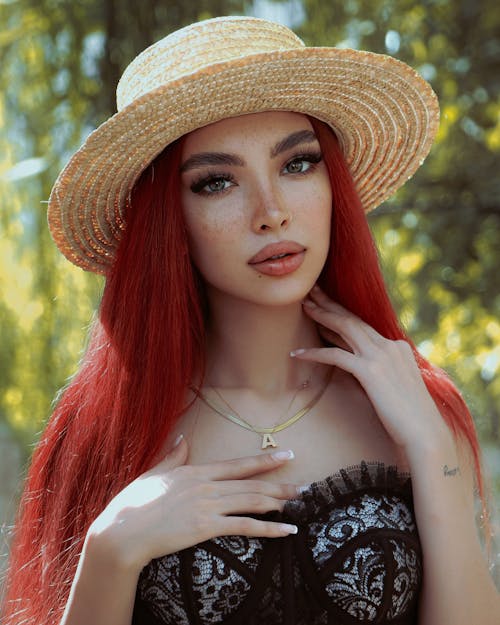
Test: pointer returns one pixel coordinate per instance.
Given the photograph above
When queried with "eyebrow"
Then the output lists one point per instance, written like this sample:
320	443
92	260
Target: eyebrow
296	138
211	158
204	159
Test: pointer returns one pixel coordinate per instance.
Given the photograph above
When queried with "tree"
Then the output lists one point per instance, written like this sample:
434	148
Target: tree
440	235
61	61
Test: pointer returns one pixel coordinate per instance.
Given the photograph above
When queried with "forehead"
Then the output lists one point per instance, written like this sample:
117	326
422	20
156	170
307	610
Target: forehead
264	128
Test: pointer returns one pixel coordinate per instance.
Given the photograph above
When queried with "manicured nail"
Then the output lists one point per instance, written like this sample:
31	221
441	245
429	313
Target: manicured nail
296	352
178	440
289	529
284	455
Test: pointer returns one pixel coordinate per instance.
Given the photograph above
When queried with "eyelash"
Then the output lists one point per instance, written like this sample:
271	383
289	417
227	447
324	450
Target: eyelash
313	158
198	185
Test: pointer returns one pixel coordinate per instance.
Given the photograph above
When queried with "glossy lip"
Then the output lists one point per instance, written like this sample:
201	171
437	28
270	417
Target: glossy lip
280	266
275	249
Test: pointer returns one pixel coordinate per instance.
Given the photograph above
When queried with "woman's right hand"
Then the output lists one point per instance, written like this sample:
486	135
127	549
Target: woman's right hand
173	506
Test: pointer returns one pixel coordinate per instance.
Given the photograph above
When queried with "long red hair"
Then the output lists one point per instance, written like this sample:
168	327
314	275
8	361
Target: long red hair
111	421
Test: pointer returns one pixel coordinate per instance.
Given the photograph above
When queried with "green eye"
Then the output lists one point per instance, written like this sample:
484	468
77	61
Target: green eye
217	184
296	167
303	163
213	184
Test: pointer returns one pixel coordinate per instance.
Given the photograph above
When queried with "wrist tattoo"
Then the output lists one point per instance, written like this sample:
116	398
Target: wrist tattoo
450	472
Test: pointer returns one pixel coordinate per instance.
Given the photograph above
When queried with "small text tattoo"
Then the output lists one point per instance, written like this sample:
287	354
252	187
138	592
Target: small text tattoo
450	472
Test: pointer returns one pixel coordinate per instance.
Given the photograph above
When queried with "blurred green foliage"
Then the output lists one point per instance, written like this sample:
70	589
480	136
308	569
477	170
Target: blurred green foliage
439	237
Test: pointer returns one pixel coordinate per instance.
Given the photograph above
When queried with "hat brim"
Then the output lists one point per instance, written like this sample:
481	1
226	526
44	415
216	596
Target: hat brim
383	113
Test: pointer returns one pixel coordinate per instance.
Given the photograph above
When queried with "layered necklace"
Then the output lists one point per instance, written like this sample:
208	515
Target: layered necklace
266	433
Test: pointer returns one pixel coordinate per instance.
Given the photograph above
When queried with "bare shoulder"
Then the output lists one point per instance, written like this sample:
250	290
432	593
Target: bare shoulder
349	396
358	426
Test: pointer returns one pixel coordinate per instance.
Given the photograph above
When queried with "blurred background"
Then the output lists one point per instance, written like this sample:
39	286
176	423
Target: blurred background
439	237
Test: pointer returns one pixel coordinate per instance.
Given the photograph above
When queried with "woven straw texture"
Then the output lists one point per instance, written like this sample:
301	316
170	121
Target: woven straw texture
384	114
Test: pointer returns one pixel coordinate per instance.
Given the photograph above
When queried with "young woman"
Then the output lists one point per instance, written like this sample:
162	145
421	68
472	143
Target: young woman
227	452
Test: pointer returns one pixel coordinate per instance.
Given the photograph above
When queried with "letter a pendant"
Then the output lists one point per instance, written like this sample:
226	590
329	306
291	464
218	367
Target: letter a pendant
268	441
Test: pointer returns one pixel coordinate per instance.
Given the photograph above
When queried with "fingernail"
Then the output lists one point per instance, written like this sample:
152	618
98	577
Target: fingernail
289	529
178	440
315	288
296	352
284	455
309	303
302	489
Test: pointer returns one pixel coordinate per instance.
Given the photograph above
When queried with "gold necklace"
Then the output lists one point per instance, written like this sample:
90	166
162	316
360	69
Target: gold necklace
266	433
301	387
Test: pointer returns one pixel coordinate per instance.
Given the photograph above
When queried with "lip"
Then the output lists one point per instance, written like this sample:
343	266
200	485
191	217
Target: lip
276	249
264	263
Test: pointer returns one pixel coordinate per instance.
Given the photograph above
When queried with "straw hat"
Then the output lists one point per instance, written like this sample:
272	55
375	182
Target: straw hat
383	113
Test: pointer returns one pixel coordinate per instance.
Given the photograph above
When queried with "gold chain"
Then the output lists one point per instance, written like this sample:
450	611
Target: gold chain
267	438
302	387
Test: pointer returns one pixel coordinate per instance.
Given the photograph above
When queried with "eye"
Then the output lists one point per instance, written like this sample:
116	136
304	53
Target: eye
297	166
216	184
212	184
303	163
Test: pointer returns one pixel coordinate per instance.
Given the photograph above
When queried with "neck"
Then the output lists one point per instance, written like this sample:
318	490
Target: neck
249	346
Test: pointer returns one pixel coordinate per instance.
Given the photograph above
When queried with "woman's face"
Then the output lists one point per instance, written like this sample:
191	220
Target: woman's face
257	204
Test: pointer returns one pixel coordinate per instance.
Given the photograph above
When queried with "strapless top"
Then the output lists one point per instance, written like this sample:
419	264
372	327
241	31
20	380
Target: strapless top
356	559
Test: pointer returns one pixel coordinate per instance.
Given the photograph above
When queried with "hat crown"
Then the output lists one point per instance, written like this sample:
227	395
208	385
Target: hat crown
383	113
197	46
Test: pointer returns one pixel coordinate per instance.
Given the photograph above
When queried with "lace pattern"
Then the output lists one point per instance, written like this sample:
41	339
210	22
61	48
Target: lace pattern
356	559
161	602
219	587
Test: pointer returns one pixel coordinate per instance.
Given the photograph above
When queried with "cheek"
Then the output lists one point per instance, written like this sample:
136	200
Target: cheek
318	214
210	238
314	199
319	219
325	198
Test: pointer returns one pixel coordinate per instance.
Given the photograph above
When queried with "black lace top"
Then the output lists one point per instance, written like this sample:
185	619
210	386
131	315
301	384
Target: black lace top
356	559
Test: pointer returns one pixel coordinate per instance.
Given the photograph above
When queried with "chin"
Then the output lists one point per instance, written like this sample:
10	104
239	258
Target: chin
262	290
281	293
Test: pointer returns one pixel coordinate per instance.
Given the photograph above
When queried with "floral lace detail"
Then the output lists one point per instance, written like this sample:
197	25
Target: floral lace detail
356	559
370	511
163	600
358	589
219	587
406	578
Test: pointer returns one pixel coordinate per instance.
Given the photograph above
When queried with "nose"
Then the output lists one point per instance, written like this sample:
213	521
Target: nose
270	211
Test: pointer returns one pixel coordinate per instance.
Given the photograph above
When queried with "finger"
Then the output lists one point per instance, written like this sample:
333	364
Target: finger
240	468
345	316
176	457
322	299
333	338
246	526
270	489
334	356
318	297
353	330
247	503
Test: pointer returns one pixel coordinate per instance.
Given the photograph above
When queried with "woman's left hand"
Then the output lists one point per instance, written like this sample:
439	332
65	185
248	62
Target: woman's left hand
385	368
444	505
